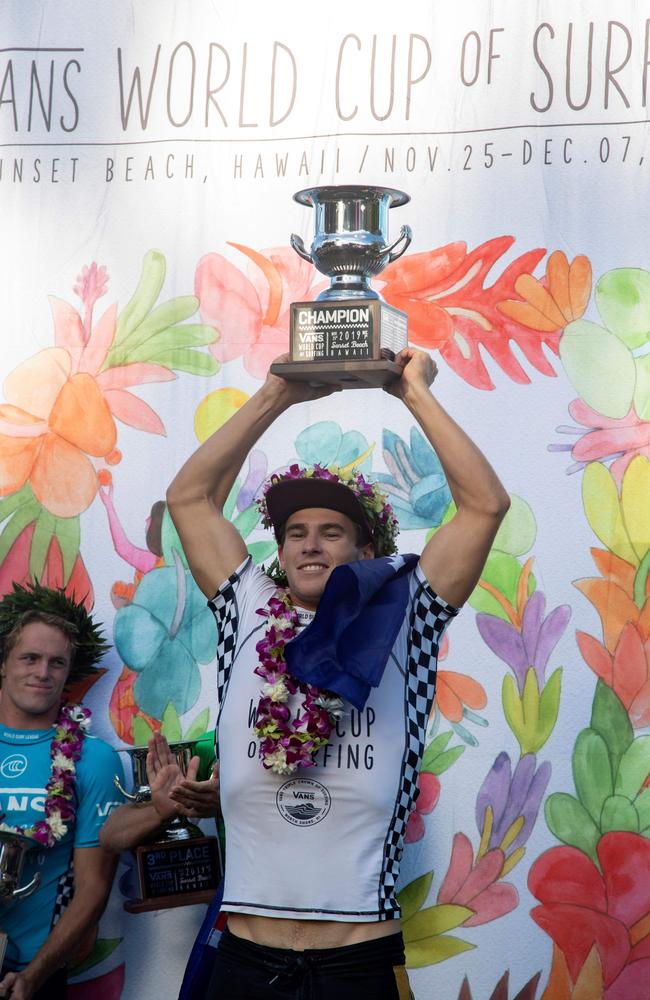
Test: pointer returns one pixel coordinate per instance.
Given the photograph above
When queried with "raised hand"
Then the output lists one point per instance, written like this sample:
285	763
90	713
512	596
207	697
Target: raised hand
419	372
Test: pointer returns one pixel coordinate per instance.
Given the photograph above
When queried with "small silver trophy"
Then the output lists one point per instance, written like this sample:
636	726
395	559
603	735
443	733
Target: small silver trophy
179	827
349	336
13	848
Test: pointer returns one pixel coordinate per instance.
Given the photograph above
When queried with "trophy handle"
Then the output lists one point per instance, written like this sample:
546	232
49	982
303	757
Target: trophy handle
406	234
138	797
299	247
27	890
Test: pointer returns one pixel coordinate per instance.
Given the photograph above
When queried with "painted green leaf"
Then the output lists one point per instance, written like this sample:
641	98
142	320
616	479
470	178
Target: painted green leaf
642	391
623	300
512	707
142	732
247	520
15	500
444	761
633	768
610	719
169	313
102	949
435	920
170	541
187	360
171	725
183	335
530	706
518	530
231	500
569	821
68	533
619	814
592	772
635	494
22	516
549	706
602	507
260	551
430	951
199	726
642	806
143	299
41	540
413	896
502	571
599	366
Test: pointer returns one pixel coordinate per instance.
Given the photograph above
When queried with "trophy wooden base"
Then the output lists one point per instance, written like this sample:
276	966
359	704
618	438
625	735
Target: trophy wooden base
176	873
352	374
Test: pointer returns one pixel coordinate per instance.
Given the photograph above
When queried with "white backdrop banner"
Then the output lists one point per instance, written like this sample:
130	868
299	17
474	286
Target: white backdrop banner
148	157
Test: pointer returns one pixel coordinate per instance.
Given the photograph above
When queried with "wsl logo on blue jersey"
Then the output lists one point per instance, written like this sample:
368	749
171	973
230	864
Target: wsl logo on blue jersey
13	766
303	802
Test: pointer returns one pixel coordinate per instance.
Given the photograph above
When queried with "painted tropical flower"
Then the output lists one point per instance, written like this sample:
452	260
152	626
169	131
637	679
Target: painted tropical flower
252	313
620	519
124	710
475	883
457	695
162	635
501	991
428	795
59	418
530	703
508	803
530	645
583	907
416	484
626	671
606	439
550	304
451	310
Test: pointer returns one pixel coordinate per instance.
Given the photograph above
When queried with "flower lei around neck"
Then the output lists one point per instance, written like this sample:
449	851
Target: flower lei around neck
286	743
72	724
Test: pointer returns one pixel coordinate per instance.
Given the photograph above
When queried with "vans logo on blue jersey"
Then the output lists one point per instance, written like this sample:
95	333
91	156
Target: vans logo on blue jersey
13	766
303	801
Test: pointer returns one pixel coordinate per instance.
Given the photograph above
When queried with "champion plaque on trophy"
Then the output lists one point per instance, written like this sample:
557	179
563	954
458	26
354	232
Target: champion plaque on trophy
349	336
181	867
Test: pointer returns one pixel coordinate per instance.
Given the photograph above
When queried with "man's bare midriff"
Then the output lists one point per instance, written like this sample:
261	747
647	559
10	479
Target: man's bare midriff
301	935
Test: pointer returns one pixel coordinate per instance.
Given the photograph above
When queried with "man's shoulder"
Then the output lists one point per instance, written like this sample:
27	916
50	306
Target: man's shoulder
96	752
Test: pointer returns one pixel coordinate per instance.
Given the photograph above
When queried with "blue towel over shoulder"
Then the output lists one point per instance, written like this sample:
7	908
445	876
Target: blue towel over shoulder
346	647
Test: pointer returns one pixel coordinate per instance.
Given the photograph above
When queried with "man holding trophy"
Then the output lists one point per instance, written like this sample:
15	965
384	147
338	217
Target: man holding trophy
330	655
56	789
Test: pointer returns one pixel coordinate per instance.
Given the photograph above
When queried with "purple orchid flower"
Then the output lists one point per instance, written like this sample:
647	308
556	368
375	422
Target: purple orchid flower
530	647
511	796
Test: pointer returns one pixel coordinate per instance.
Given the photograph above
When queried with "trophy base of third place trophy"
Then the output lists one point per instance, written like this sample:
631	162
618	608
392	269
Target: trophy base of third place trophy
176	873
349	343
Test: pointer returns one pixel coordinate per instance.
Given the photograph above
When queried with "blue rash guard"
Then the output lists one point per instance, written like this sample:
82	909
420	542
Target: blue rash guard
24	772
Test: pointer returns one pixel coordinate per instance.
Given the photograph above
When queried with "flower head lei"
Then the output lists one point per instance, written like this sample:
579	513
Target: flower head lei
286	743
72	724
378	513
87	637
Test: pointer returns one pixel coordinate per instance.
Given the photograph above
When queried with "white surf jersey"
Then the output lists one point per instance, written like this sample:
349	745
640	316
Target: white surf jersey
325	842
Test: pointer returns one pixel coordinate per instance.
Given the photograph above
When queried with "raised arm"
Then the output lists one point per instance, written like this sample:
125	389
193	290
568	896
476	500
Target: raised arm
454	557
196	497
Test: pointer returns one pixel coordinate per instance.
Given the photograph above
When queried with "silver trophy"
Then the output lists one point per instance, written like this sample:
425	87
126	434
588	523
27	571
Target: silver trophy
13	847
349	336
178	828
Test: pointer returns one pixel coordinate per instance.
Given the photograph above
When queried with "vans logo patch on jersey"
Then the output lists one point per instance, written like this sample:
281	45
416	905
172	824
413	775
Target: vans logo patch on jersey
303	801
13	766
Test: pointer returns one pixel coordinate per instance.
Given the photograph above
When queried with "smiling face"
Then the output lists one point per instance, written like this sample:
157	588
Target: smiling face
33	674
316	540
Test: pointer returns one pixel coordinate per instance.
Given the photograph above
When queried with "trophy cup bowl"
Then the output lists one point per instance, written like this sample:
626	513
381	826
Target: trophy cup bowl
178	828
350	241
349	336
13	847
